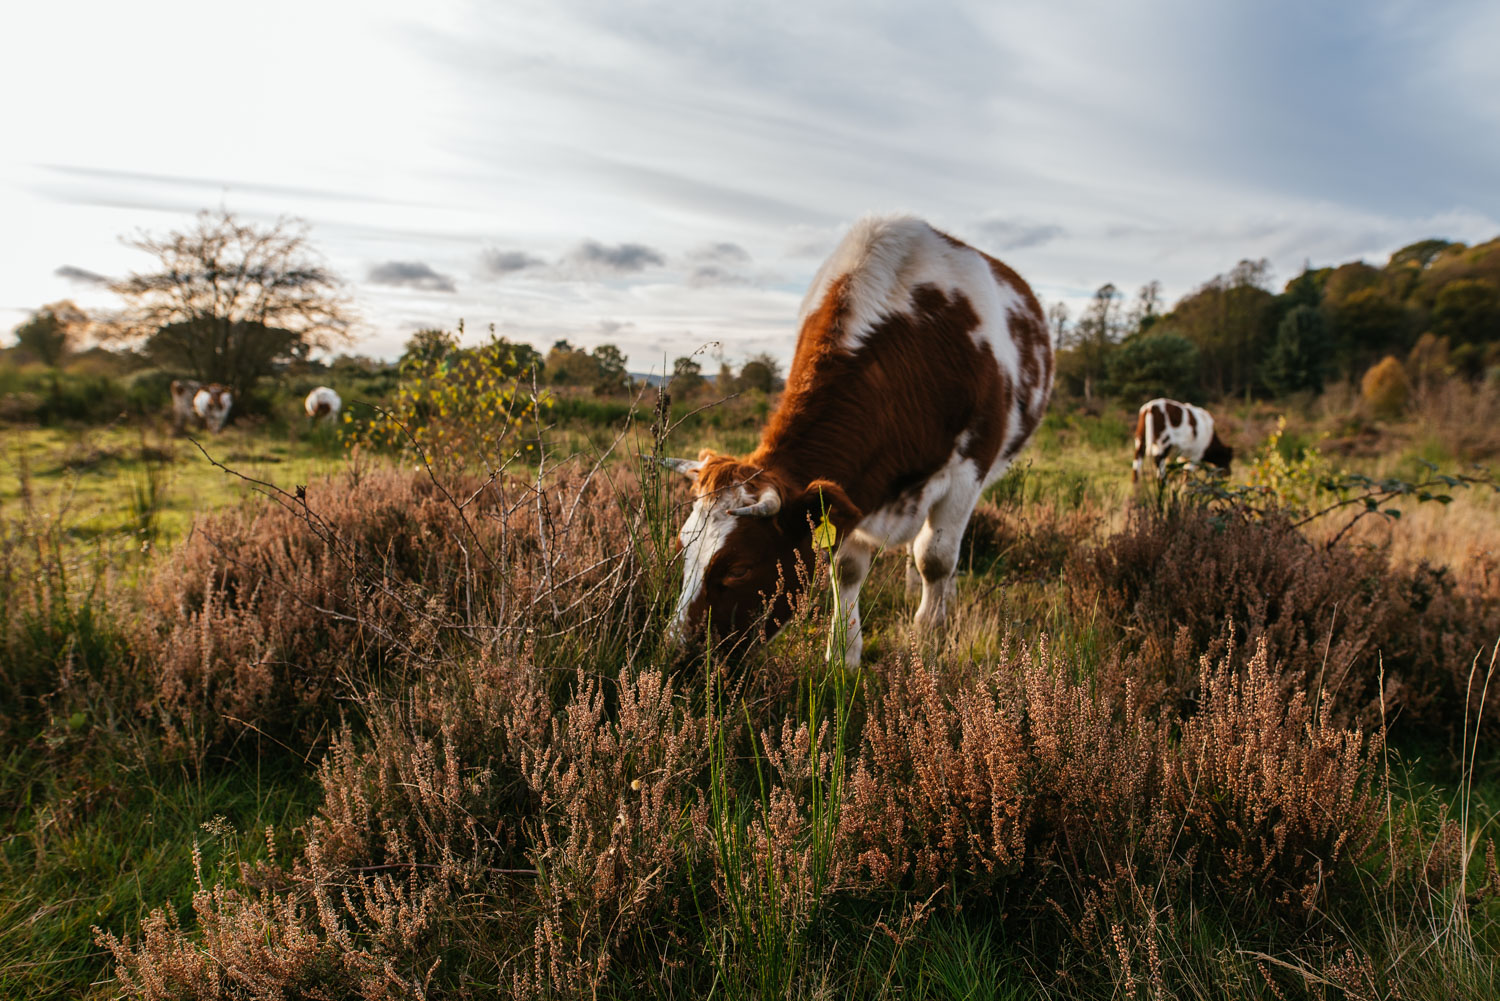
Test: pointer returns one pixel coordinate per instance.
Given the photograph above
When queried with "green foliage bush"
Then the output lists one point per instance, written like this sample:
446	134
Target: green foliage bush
460	408
36	395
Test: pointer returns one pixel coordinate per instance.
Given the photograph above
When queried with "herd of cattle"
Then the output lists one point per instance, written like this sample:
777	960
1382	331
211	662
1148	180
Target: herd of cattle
922	367
200	405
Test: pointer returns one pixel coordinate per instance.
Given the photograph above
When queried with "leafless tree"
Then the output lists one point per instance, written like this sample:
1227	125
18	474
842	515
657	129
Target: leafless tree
230	300
1094	336
1147	308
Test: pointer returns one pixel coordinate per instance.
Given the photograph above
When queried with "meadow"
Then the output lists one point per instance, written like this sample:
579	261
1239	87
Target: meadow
314	723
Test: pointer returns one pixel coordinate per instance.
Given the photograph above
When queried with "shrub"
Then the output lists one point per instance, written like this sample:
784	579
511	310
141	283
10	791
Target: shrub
1385	387
266	616
1185	580
460	408
1030	779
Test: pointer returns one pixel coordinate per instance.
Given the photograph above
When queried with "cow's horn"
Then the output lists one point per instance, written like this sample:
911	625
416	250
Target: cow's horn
768	504
687	467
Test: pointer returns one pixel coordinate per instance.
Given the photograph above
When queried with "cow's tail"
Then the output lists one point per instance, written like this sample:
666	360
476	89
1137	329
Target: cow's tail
1141	437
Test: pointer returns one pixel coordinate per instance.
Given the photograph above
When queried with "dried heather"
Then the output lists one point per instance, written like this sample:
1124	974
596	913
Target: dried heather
1278	802
1184	583
938	793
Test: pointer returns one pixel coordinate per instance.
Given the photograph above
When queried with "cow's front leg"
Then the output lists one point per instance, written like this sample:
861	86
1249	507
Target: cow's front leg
851	565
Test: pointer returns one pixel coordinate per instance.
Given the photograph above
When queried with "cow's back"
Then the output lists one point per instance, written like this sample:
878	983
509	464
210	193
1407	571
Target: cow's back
916	353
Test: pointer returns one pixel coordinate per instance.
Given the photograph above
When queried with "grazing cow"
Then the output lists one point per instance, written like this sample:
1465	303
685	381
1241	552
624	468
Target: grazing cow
1164	428
212	404
922	366
322	402
183	391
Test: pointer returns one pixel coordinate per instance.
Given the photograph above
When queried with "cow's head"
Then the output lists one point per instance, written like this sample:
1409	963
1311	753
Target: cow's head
1218	454
747	548
212	404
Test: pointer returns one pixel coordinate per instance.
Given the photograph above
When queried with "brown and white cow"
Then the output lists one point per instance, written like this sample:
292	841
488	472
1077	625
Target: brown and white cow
1164	428
212	403
921	368
183	391
322	402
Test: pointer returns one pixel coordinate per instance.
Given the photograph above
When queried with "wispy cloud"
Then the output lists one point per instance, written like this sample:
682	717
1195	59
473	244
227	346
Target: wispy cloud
720	263
1015	234
712	274
722	252
592	258
410	274
499	263
83	276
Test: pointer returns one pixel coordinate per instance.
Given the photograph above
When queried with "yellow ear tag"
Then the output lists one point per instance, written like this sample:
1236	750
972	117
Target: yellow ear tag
825	535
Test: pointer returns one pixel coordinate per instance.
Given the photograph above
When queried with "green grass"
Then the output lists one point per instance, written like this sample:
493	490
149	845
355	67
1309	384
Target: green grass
104	839
125	487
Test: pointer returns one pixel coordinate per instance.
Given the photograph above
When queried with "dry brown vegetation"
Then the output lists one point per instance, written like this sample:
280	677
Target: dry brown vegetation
1343	624
520	791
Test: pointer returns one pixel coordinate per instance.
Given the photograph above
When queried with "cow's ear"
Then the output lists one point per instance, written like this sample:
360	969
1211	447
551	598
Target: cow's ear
824	499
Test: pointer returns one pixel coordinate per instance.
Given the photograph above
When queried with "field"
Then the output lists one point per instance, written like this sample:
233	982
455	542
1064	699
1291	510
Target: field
314	726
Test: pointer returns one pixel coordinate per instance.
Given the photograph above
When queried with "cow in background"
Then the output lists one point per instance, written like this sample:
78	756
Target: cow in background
322	402
1164	428
212	404
922	367
183	392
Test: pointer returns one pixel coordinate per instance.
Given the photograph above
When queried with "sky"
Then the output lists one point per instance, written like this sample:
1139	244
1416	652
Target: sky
667	177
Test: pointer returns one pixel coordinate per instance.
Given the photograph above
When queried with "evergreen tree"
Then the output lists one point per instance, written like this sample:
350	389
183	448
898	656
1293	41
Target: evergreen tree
1299	355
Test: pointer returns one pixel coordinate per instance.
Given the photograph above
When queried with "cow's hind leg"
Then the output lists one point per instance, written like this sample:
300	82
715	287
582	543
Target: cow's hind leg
935	552
913	575
1161	457
851	565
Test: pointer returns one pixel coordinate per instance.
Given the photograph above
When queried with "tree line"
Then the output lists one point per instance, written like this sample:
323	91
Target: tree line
234	302
1434	307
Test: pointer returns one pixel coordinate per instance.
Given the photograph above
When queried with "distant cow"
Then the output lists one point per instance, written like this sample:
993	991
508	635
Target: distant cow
1164	428
183	391
922	367
212	403
322	402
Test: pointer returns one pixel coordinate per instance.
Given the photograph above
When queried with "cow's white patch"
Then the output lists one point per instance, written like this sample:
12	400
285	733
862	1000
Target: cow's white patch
321	396
703	534
213	407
